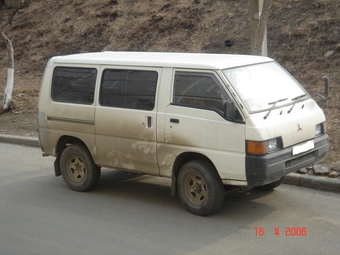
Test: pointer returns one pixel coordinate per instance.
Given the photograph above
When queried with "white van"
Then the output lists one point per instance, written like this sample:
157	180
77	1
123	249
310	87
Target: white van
207	121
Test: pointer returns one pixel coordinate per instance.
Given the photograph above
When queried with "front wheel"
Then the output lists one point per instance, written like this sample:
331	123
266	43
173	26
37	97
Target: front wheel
78	169
200	188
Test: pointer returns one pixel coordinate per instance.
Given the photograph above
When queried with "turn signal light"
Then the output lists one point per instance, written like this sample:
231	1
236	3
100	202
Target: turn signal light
256	148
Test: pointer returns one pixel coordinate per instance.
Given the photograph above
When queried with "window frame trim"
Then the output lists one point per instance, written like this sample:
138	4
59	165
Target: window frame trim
75	67
212	73
129	68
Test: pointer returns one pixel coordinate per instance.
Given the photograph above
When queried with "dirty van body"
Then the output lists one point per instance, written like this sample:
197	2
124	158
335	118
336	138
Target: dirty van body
207	121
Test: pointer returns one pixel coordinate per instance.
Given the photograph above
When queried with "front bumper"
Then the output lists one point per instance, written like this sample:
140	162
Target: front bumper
262	170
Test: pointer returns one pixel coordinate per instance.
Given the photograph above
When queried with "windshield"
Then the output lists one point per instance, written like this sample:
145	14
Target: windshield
261	85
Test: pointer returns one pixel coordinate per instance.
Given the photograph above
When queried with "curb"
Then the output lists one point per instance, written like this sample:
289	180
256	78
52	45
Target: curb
21	140
312	181
309	181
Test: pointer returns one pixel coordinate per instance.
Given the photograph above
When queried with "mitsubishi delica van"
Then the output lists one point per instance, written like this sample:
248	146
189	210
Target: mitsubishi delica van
207	121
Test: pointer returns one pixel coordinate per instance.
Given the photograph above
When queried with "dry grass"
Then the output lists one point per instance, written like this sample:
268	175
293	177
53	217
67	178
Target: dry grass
300	33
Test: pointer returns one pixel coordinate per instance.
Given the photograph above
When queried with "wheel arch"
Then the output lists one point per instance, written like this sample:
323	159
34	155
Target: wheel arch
180	161
62	143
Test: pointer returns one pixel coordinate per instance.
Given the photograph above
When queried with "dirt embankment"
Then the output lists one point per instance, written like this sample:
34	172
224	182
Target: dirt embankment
303	36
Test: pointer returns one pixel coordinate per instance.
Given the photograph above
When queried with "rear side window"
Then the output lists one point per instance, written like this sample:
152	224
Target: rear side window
199	90
74	85
134	89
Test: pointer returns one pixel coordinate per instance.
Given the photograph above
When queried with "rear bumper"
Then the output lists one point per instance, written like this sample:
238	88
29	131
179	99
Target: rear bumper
262	170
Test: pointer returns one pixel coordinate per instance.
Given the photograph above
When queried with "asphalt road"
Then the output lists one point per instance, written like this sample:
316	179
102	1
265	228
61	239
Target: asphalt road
131	214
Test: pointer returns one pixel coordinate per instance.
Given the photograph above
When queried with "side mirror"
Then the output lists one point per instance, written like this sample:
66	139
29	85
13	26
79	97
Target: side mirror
229	109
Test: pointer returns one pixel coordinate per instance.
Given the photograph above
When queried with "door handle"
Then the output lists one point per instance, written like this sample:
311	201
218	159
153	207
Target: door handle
149	122
174	120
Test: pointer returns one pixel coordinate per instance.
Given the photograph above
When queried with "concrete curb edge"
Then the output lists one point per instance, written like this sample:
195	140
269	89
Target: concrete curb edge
22	140
312	181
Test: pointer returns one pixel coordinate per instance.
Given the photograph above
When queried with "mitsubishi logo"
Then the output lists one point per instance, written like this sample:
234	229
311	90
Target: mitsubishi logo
299	128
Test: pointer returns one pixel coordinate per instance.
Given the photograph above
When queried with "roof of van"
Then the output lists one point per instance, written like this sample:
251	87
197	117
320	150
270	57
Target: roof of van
162	59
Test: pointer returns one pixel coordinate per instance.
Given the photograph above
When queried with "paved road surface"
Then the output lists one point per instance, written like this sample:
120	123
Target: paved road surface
131	214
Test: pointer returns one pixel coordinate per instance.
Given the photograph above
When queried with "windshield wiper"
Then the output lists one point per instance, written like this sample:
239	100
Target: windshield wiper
274	103
295	99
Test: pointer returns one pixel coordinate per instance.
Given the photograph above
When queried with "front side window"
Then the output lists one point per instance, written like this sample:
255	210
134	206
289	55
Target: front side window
74	85
199	90
134	89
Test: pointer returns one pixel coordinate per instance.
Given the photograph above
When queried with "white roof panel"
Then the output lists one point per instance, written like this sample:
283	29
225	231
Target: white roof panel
163	59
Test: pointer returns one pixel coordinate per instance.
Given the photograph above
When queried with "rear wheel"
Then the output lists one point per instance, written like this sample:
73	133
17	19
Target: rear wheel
200	188
78	169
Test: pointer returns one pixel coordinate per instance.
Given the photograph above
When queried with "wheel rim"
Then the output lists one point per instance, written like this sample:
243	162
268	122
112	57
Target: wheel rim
75	167
196	188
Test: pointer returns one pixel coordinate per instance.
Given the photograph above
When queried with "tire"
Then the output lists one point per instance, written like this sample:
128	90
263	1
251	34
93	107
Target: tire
270	186
78	169
200	188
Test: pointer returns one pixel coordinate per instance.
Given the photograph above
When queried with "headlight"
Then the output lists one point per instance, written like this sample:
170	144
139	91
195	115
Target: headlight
272	145
263	147
318	130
